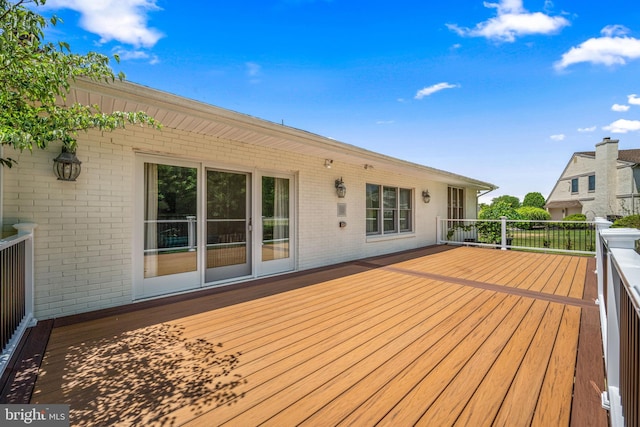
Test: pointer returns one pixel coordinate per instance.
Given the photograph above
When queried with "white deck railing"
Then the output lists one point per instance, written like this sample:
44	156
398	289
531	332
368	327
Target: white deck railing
577	237
618	268
16	290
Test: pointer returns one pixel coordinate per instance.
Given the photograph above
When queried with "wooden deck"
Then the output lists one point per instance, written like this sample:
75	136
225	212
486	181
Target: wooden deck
466	336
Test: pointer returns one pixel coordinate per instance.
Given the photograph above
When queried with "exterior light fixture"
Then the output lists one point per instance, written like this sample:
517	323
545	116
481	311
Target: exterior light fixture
66	166
426	197
341	189
328	163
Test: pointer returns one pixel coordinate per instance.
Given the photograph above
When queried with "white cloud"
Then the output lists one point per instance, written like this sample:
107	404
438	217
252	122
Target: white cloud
614	30
558	137
620	108
385	122
512	21
614	48
433	89
633	99
128	55
589	129
623	126
121	20
254	71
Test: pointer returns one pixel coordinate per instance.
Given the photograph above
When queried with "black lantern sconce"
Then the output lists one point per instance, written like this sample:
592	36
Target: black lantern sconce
426	197
341	189
66	166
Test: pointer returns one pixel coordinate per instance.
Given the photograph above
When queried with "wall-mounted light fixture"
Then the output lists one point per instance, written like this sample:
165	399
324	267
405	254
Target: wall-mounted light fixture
328	163
341	189
426	197
67	166
368	166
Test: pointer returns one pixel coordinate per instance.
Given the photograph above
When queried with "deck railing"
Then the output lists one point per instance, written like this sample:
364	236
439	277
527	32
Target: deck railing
549	236
16	290
618	267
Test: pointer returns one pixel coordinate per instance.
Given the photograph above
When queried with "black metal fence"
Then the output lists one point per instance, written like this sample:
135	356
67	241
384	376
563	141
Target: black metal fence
12	291
551	236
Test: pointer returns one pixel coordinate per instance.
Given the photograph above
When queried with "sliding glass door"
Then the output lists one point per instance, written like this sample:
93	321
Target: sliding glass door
228	225
195	226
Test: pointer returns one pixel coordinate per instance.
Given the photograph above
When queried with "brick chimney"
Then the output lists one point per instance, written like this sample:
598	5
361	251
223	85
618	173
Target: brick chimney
606	177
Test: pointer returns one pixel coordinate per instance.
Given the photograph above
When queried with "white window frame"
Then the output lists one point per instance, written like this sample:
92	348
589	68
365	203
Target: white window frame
455	203
396	211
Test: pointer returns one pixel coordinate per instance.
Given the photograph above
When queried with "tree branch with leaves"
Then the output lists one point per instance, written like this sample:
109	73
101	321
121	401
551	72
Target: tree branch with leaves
35	78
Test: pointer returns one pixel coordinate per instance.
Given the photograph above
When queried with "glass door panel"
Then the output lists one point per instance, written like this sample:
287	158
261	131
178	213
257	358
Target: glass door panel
170	220
228	243
275	218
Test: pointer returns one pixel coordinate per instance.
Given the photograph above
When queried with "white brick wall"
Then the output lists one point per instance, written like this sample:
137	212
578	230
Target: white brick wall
83	243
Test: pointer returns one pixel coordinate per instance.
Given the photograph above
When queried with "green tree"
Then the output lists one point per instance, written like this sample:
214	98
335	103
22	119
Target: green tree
512	201
532	213
35	77
490	231
534	199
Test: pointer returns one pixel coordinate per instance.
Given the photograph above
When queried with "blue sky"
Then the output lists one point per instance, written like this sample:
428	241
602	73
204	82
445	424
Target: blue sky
503	92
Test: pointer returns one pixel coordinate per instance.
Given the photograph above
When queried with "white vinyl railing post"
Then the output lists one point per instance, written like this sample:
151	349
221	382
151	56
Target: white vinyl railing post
439	229
503	232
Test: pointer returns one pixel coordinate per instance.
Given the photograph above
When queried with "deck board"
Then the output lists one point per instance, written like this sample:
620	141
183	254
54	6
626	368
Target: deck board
439	339
557	387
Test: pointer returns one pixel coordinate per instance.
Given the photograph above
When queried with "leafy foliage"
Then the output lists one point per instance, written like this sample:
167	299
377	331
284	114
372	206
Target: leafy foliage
499	209
35	77
575	218
534	199
512	201
531	213
491	231
631	221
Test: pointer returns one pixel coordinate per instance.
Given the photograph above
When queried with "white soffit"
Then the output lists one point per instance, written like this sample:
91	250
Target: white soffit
192	116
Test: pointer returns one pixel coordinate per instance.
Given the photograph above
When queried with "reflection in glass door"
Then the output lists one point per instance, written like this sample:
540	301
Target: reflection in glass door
228	238
276	225
170	221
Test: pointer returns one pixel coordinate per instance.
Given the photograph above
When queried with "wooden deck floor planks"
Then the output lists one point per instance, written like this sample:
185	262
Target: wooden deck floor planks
394	345
558	380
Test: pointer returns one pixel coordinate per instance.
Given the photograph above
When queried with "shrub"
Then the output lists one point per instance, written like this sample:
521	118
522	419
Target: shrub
575	217
567	221
512	201
491	232
631	221
531	213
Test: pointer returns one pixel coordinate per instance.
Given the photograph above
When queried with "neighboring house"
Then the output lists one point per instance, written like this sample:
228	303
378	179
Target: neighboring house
215	197
601	183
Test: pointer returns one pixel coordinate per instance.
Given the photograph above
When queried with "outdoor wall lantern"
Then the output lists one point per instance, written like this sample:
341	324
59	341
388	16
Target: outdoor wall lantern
426	197
328	163
66	166
341	189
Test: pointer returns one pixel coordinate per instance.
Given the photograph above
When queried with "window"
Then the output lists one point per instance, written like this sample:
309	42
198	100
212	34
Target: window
592	183
574	185
455	203
389	210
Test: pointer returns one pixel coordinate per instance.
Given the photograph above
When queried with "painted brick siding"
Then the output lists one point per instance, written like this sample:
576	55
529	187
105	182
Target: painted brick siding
83	243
